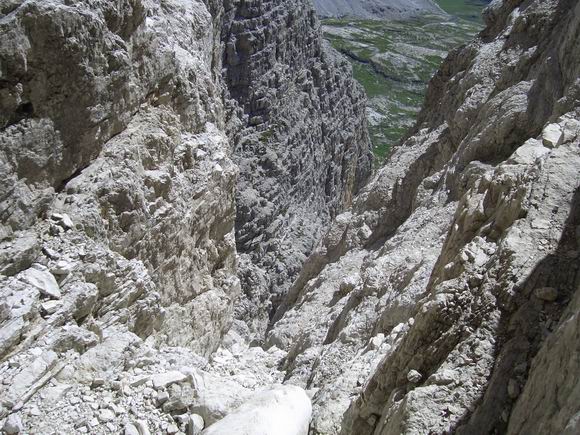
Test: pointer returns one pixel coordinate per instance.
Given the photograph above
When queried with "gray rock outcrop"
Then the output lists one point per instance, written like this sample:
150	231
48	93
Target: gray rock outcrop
376	9
164	185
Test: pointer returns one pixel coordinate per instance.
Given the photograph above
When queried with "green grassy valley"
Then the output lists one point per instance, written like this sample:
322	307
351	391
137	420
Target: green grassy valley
394	60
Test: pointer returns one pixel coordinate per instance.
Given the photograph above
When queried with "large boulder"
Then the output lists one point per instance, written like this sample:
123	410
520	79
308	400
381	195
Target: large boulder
281	410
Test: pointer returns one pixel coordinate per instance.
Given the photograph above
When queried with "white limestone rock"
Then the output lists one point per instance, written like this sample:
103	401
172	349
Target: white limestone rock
131	429
13	425
414	376
552	135
195	424
63	220
281	410
163	380
11	332
51	307
40	277
216	396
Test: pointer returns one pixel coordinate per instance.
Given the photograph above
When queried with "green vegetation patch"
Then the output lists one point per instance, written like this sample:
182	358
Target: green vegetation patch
394	61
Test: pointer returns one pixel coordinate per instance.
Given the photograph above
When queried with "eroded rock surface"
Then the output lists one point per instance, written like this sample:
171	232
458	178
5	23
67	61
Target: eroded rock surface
302	144
439	301
432	305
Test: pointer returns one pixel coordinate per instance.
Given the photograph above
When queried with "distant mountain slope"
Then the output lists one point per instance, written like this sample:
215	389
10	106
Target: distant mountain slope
375	9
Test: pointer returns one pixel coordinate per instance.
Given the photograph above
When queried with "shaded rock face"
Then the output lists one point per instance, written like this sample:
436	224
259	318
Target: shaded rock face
299	140
375	9
443	299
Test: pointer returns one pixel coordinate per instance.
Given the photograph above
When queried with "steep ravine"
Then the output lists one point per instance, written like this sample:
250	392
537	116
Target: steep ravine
432	305
140	142
185	226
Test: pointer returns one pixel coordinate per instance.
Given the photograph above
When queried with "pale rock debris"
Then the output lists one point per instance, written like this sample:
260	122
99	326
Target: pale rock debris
282	410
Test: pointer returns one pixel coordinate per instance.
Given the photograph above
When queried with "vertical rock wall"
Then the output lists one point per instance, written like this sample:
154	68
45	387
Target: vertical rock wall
301	143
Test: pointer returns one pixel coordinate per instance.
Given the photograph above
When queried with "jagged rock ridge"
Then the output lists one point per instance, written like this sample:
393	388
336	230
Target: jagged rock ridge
376	9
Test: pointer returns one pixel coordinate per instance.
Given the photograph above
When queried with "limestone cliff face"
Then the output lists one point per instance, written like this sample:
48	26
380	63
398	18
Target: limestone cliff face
299	138
446	299
148	146
112	115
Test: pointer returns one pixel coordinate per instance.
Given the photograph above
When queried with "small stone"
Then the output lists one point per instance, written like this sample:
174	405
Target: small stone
162	398
138	381
50	307
51	253
106	415
130	429
552	136
63	220
195	424
118	410
162	380
95	406
376	341
513	389
172	429
93	422
97	382
548	294
74	400
13	425
414	376
174	404
39	276
62	267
